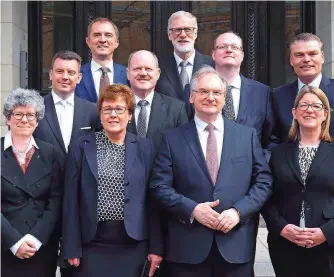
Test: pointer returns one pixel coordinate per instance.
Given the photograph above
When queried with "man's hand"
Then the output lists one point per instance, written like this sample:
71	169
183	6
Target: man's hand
155	263
227	220
318	236
74	261
297	235
26	250
205	214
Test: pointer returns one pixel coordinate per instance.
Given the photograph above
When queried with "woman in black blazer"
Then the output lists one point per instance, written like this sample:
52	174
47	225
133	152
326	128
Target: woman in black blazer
30	192
300	213
109	225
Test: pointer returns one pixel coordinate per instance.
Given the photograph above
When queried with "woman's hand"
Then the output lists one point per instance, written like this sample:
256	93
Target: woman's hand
318	236
297	235
155	263
74	261
26	250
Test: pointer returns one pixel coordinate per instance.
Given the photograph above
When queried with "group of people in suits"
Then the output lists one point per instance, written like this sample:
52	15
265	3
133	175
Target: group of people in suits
166	160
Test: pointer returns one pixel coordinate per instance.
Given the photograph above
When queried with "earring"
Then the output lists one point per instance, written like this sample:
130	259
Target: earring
129	121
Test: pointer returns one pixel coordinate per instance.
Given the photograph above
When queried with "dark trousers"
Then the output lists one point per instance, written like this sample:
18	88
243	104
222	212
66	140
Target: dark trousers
291	260
213	266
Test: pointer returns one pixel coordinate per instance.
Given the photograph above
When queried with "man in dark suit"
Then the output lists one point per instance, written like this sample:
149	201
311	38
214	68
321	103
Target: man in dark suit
248	102
102	40
67	117
212	178
177	69
154	112
306	58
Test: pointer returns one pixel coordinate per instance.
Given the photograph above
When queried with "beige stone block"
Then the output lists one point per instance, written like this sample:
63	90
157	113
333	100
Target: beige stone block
7	43
6	11
322	13
4	94
19	14
10	77
20	39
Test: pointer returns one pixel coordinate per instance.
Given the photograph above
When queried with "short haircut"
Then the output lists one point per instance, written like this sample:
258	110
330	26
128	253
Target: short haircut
21	98
306	37
181	14
228	32
114	92
133	53
101	20
66	55
205	69
294	133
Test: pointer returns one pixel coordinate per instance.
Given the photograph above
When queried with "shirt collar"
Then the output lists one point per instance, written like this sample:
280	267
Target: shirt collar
236	83
315	83
94	66
57	99
9	143
190	60
201	125
148	98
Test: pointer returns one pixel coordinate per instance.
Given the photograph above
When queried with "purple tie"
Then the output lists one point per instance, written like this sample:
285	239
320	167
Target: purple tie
212	154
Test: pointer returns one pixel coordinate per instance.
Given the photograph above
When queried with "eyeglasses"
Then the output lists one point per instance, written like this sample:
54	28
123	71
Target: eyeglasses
224	46
178	31
19	116
117	110
315	107
206	93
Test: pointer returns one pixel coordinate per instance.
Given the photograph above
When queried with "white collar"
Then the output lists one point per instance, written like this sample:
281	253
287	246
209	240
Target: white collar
236	83
148	98
8	142
190	60
94	66
315	83
201	125
57	99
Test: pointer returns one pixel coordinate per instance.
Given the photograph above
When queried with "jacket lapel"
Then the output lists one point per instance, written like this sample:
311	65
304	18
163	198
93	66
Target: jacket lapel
191	136
292	157
76	119
88	81
245	93
118	73
172	73
157	115
90	151
198	62
130	153
52	119
132	126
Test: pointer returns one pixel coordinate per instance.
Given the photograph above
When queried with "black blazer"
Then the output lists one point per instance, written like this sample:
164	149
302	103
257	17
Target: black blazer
31	202
85	116
288	191
166	113
283	100
169	82
81	188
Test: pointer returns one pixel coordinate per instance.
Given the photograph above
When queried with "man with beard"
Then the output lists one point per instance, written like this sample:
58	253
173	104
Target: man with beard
102	39
178	68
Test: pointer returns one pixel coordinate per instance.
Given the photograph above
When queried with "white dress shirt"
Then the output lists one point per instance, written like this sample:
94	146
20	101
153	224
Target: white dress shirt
315	83
149	99
189	67
97	73
21	157
236	83
204	134
65	113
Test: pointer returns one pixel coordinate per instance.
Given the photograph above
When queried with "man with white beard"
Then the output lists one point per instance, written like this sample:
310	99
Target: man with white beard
178	68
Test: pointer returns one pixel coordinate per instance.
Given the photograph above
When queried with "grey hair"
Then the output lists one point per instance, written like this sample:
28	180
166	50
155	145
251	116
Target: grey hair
205	69
180	14
23	97
135	52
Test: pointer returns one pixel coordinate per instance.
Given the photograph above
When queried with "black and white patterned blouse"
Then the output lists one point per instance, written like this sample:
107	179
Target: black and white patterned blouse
110	170
305	157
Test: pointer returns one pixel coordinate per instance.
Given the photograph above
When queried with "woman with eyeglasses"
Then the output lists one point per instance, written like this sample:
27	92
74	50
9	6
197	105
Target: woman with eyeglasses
109	225
300	213
30	191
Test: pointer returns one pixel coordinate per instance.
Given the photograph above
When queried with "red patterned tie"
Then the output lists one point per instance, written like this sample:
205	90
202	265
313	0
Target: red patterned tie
211	153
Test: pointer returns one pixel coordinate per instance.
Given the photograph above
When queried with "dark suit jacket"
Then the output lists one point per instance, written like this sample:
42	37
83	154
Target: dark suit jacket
81	188
181	180
85	115
86	88
283	100
288	191
255	109
31	202
169	82
166	113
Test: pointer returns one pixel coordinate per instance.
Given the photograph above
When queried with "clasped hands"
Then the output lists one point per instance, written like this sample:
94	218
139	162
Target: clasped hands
304	237
26	250
207	216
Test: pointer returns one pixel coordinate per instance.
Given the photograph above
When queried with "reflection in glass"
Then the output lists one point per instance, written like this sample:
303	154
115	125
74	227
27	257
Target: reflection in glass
133	19
213	18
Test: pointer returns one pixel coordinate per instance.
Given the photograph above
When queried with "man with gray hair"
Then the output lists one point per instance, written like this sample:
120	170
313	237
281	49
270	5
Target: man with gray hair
212	178
177	69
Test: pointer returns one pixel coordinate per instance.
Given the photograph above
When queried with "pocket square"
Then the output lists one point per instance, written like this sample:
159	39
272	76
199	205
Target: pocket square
86	128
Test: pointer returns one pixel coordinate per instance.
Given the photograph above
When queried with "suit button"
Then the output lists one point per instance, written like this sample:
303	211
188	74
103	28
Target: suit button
38	185
303	190
126	183
31	200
